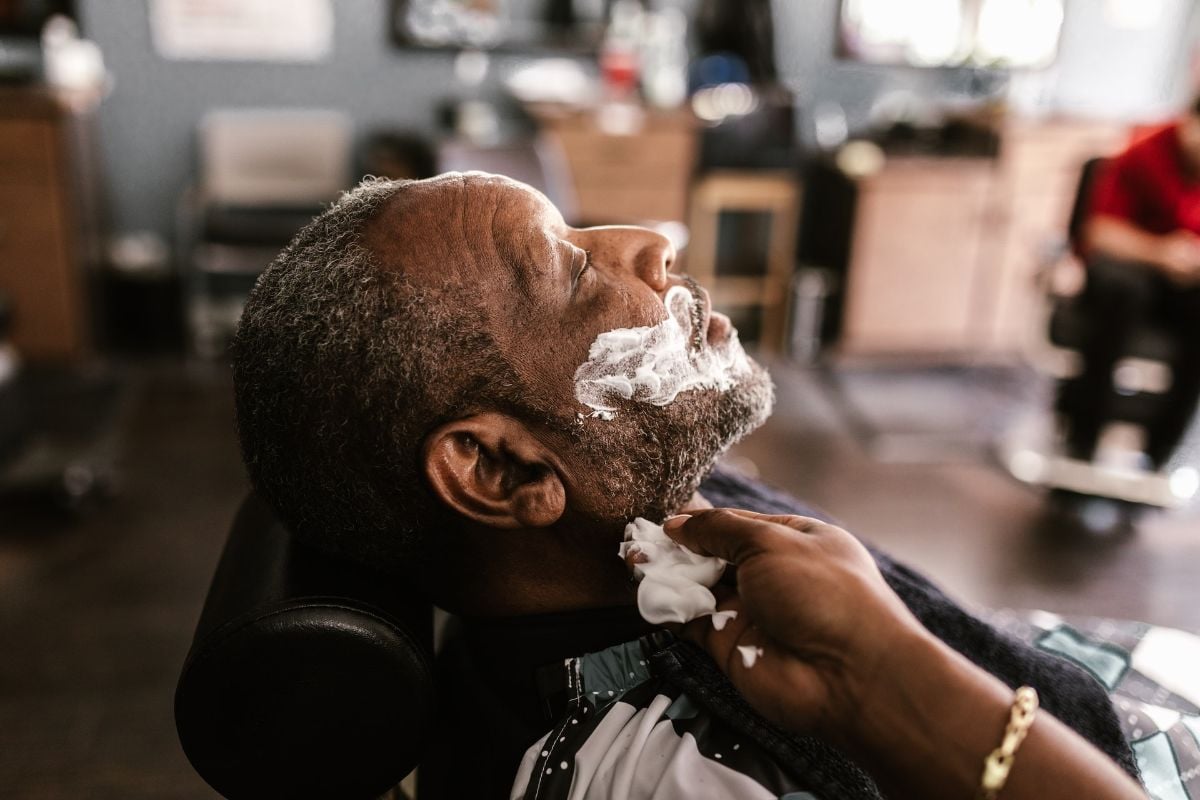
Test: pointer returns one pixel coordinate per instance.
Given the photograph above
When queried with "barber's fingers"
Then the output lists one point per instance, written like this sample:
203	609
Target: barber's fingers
722	643
766	672
736	535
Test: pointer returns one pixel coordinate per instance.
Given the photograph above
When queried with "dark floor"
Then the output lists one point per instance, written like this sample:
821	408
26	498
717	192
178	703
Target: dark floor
96	611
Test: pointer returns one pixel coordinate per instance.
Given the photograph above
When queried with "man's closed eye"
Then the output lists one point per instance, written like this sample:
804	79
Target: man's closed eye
584	256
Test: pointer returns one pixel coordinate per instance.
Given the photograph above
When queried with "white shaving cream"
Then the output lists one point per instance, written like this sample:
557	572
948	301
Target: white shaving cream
721	618
653	364
750	654
674	581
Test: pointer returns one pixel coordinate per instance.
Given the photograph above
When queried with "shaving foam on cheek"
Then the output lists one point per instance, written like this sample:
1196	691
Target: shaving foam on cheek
674	581
653	364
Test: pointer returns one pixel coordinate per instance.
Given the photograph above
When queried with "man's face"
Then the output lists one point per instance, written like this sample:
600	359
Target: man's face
548	291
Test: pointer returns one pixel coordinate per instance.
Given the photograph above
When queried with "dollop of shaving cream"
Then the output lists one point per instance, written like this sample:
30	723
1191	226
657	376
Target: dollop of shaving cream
654	363
674	582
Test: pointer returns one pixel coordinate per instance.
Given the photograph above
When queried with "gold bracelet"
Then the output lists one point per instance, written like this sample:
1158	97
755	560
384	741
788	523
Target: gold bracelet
998	764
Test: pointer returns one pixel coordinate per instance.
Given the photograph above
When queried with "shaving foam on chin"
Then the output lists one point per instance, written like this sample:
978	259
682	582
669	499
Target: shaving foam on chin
653	364
674	581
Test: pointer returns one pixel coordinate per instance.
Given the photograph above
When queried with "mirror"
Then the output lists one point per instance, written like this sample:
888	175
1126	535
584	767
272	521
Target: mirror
525	25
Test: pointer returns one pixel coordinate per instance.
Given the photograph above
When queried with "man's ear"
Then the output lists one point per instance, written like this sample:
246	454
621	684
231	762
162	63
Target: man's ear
490	468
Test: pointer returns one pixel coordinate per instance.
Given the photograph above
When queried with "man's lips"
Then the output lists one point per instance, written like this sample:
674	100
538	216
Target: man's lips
717	326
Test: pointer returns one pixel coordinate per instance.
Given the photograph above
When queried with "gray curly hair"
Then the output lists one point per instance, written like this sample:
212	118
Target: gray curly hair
341	367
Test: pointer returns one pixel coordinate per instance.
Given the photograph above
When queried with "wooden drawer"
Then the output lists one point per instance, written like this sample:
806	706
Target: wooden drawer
915	258
26	151
653	149
36	274
632	204
631	178
27	208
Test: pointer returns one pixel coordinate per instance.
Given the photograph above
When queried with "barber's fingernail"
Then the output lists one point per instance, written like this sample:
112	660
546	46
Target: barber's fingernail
676	521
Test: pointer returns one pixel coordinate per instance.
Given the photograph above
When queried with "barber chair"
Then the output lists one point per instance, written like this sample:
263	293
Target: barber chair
306	678
1140	378
1143	374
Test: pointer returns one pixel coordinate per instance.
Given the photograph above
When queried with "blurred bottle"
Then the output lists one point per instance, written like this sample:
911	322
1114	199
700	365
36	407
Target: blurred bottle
619	61
8	354
73	66
12	411
665	58
620	111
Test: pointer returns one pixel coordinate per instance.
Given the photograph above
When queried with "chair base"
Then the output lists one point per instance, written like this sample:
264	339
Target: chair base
1130	484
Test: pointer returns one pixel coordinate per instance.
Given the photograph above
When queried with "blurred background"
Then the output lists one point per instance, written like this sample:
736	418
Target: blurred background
885	197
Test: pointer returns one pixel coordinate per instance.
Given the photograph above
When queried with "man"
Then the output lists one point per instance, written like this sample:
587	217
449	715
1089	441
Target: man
442	380
443	396
1142	244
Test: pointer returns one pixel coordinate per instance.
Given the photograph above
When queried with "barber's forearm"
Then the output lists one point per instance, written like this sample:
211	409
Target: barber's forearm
1120	239
925	728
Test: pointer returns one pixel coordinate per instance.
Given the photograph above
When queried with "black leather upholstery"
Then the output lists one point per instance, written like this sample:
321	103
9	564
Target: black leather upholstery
306	678
1071	320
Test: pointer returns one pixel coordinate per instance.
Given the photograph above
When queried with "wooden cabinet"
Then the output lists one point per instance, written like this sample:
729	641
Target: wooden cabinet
40	249
914	261
632	177
945	250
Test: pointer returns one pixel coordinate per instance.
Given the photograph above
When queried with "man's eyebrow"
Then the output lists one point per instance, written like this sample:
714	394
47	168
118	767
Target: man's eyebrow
510	257
525	256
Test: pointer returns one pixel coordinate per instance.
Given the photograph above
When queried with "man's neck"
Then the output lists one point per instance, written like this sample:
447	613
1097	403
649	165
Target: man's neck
546	571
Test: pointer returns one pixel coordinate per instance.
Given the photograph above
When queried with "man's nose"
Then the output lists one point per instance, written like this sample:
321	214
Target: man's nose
648	254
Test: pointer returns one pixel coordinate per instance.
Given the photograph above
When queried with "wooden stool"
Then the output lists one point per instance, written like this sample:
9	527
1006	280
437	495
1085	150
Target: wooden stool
774	193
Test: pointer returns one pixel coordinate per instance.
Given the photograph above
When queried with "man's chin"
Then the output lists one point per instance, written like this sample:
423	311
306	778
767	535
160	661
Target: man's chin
727	418
648	460
750	401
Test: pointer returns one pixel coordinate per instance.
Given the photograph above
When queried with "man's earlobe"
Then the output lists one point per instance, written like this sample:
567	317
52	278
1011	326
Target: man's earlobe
491	469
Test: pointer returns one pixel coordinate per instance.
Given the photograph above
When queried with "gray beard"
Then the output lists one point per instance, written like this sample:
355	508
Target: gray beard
649	460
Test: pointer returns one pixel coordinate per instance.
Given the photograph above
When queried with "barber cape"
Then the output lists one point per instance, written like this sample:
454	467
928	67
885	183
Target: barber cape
631	728
600	705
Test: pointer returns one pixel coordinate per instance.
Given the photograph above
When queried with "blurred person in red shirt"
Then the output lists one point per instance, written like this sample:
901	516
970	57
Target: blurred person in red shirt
1142	246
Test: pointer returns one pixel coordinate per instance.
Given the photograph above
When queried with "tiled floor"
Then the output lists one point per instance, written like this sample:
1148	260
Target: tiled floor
96	613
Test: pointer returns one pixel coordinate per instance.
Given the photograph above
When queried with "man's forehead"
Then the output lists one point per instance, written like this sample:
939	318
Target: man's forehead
456	225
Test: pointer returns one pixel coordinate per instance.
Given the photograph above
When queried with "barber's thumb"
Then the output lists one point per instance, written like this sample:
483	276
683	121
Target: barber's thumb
675	522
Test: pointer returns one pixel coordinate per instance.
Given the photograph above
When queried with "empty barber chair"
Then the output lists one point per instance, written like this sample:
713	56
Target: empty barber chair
1140	378
262	175
306	678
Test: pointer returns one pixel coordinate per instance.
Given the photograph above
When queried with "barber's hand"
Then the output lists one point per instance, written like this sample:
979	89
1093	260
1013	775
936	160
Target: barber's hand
810	595
1179	257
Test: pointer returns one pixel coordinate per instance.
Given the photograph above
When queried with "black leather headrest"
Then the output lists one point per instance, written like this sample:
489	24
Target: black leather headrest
306	677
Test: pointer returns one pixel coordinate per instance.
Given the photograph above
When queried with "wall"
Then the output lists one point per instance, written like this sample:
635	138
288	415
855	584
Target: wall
1102	71
147	125
1111	72
805	47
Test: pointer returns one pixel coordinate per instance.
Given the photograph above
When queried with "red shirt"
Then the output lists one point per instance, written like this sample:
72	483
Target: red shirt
1150	185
